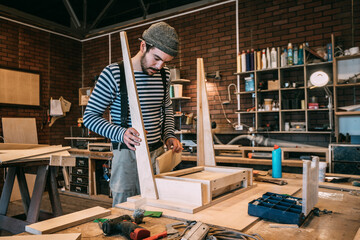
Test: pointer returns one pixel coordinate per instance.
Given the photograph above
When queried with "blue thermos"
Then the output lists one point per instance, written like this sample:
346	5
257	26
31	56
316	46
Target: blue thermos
276	162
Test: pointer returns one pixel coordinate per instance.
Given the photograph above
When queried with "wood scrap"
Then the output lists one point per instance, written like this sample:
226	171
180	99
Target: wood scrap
66	221
20	130
167	161
63	236
338	186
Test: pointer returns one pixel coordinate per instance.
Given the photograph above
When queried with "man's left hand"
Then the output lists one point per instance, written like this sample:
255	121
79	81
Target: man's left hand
174	144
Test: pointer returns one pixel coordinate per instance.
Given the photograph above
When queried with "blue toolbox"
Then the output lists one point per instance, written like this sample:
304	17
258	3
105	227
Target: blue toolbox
278	208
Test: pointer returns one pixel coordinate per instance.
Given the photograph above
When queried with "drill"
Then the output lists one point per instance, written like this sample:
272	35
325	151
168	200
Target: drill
123	225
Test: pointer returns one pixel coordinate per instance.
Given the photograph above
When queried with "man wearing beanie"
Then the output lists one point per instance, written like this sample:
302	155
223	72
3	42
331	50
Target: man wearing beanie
158	46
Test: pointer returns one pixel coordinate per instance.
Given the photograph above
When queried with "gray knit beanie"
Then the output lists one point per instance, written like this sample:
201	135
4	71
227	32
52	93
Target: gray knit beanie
162	36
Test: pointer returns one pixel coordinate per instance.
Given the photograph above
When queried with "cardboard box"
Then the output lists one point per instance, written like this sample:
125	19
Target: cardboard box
273	84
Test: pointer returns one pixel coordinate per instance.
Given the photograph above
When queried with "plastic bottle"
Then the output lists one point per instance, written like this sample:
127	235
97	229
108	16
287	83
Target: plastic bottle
290	54
268	58
243	61
252	60
301	55
296	56
276	162
273	58
284	58
238	63
263	59
248	60
258	60
329	52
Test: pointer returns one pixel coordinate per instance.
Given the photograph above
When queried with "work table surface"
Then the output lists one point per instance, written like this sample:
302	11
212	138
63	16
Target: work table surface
343	223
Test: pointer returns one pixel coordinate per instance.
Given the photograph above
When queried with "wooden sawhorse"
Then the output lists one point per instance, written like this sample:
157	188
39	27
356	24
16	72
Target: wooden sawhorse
45	177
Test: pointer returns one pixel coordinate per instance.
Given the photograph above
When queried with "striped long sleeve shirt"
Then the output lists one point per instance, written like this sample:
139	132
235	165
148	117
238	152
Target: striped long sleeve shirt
151	95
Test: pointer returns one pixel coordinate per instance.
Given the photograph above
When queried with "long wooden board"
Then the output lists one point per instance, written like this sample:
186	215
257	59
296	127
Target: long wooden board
230	213
144	166
10	155
63	236
205	146
66	221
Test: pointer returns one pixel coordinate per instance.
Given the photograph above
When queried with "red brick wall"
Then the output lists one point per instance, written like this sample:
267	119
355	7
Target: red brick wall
58	60
210	34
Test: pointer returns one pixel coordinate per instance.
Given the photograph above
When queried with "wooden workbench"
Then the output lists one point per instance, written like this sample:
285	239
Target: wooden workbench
343	223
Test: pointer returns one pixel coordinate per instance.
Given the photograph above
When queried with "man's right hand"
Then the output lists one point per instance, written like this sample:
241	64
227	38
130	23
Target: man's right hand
131	138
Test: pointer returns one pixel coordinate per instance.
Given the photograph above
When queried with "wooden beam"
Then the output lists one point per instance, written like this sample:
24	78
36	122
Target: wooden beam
11	155
205	146
66	221
144	166
63	236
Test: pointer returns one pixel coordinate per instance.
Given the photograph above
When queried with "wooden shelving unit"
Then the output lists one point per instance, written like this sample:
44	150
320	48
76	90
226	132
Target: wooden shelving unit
293	101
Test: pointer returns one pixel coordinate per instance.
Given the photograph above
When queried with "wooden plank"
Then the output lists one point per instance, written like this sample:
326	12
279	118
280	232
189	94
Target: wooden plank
62	236
205	146
180	191
14	146
342	175
339	186
357	236
20	130
310	184
167	161
66	221
64	161
145	170
10	155
182	172
230	213
12	89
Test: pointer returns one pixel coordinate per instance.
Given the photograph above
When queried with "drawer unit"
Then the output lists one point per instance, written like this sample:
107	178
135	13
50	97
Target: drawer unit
79	179
79	188
80	171
82	162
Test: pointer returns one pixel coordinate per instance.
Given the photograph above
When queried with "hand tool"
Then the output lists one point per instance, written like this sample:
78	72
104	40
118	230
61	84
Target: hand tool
123	225
170	233
198	231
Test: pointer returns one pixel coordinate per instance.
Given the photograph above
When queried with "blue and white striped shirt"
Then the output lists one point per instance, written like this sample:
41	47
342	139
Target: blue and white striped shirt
151	95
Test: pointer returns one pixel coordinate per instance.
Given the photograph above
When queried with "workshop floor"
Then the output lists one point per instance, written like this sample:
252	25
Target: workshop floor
69	203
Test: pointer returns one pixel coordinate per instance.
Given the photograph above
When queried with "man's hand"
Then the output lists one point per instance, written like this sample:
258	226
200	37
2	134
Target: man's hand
131	138
174	144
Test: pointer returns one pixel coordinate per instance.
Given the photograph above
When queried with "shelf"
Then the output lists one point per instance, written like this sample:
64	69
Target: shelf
180	98
291	67
292	110
319	63
266	90
180	81
349	113
268	111
267	70
243	112
241	73
294	132
347	57
317	110
291	88
241	93
347	84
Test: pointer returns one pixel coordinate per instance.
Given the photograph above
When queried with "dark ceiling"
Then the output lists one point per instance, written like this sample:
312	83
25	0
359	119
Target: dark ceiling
83	18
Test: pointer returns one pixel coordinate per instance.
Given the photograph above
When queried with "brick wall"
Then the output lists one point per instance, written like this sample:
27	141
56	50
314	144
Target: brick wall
58	61
210	34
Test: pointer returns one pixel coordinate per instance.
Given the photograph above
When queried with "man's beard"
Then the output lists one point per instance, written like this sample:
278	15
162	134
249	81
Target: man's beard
144	68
